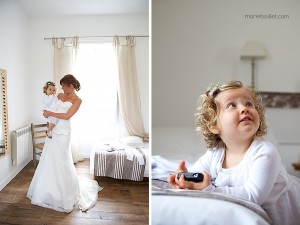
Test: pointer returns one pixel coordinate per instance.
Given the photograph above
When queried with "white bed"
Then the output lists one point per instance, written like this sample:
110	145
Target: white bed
177	207
135	156
169	146
201	208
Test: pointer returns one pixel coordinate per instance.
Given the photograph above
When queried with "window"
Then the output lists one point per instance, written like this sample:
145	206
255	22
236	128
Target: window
97	74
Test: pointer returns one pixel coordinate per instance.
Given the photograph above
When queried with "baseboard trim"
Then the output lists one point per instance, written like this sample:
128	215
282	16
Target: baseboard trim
14	173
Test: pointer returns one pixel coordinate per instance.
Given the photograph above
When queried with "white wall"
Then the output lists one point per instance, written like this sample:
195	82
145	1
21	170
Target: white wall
14	59
199	42
27	57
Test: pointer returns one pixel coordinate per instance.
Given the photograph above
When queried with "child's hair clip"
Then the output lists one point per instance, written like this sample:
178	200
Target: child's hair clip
50	83
213	90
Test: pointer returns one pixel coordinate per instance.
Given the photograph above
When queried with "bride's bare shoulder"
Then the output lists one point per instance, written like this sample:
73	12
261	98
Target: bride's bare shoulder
77	100
60	96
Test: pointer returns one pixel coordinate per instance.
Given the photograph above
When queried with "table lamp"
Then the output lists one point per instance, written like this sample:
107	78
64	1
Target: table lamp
253	50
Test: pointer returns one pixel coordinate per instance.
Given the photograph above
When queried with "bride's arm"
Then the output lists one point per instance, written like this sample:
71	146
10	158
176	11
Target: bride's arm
65	116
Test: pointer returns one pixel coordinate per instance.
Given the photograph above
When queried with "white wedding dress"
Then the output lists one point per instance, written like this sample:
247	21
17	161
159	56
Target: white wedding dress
55	184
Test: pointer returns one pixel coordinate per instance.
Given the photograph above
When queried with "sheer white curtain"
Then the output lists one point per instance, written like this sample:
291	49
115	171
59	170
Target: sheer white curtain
128	88
65	54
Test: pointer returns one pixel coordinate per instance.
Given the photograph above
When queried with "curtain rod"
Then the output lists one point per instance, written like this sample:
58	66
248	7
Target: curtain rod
97	36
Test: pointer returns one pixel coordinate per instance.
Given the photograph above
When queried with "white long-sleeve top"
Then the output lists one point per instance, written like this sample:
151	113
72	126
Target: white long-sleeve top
49	102
260	178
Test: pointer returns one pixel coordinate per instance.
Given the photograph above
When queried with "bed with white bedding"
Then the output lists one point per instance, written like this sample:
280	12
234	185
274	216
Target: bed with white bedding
170	206
177	207
189	207
120	160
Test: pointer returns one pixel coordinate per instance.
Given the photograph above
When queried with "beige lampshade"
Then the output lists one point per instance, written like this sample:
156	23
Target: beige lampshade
253	49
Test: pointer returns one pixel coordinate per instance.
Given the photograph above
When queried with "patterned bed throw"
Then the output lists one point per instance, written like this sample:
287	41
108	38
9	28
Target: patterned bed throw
115	163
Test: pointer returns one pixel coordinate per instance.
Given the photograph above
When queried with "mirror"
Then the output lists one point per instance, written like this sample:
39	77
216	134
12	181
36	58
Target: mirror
4	140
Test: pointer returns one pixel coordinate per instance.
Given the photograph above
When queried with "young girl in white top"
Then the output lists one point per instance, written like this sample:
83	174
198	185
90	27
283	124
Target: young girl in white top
240	162
49	104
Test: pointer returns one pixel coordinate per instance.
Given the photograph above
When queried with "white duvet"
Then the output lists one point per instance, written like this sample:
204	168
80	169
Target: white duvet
185	207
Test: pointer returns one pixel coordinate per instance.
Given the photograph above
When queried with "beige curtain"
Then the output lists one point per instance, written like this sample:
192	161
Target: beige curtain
65	55
128	88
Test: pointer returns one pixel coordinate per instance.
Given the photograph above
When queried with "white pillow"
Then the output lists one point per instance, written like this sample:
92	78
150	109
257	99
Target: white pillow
134	141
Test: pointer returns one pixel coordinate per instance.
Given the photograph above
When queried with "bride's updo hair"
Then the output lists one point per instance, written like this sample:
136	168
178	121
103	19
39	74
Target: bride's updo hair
70	79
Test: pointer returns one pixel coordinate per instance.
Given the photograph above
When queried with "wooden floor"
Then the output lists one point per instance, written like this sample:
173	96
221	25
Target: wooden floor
120	202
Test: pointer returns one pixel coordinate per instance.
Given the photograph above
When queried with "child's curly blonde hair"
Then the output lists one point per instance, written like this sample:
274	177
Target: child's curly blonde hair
49	83
207	112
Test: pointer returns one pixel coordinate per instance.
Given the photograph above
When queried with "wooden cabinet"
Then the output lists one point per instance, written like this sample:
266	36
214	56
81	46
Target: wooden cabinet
296	166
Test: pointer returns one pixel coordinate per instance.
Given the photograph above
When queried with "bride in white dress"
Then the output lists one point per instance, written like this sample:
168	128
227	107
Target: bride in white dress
55	184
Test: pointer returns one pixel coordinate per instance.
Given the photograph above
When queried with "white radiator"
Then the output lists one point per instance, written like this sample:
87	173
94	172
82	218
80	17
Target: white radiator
21	145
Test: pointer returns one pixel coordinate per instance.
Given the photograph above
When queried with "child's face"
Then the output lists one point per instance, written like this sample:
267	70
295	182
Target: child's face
238	120
50	90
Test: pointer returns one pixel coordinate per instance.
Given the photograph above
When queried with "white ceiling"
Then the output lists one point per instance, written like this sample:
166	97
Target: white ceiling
83	7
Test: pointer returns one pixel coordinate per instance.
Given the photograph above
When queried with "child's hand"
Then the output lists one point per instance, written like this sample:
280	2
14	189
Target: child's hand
46	113
182	183
172	180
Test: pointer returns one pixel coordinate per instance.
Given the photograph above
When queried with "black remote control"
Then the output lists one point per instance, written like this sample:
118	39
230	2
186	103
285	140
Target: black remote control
195	177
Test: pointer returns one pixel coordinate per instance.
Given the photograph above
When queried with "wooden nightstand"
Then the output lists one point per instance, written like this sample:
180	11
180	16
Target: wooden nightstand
296	166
